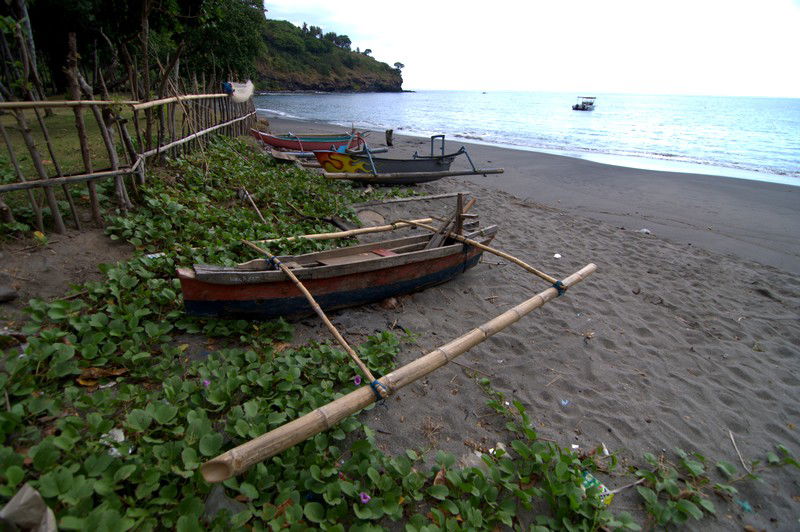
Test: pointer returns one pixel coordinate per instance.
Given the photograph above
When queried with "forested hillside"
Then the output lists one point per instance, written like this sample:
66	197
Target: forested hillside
308	59
172	42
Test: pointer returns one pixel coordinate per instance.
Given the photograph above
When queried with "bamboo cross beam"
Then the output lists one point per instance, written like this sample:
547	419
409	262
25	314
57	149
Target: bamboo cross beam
314	305
524	265
345	234
239	459
355	176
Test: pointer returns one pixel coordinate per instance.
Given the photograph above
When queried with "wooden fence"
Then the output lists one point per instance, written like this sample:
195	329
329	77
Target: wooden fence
85	151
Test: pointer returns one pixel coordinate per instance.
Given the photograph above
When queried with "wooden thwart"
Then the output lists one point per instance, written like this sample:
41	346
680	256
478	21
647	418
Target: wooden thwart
239	459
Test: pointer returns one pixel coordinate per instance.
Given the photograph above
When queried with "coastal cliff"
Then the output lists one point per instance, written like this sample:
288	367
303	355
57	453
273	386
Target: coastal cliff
306	59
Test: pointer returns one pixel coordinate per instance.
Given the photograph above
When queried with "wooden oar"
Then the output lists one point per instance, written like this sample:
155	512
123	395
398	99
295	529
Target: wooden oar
454	236
239	459
331	327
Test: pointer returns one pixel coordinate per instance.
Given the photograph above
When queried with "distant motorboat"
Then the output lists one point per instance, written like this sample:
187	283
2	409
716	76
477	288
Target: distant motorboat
585	103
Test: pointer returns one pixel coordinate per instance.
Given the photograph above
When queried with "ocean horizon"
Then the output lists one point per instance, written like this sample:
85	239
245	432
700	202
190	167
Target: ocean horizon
755	138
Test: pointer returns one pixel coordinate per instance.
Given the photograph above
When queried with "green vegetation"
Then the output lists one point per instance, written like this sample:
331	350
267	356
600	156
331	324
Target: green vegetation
305	58
209	39
118	397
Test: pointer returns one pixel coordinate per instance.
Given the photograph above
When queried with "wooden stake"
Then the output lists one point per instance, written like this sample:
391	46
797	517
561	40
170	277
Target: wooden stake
37	212
52	203
239	459
253	203
441	233
311	301
80	125
525	265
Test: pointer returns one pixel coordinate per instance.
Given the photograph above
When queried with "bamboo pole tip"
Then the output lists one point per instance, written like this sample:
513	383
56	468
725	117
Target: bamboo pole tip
216	470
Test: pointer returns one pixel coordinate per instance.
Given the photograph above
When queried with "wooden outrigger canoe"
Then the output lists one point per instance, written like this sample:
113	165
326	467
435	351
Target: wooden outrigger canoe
365	168
306	143
337	278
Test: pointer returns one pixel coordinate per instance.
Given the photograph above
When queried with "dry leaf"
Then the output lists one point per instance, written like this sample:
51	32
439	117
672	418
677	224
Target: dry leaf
440	479
282	508
88	383
281	346
99	373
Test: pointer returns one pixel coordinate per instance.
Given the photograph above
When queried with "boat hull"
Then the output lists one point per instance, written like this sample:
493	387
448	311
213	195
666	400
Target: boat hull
283	299
347	163
305	143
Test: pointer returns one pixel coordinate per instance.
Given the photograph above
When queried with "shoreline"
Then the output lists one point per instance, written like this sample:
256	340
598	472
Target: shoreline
754	220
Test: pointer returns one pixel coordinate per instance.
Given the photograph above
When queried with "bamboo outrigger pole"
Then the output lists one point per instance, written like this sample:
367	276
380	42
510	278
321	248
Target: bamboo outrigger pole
374	383
524	265
348	233
358	176
239	459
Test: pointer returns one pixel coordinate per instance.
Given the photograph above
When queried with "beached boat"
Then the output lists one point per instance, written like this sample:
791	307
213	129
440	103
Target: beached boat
332	161
585	103
306	143
337	278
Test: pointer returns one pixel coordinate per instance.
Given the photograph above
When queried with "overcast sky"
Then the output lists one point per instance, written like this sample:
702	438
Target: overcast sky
709	47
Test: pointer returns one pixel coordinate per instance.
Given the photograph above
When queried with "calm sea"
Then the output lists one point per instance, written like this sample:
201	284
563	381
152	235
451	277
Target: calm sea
752	138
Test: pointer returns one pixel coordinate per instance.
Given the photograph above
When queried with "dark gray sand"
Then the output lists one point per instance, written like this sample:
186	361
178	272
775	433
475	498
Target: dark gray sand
682	335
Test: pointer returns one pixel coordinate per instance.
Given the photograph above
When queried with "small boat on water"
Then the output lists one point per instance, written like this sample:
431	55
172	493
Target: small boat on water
337	278
585	103
307	143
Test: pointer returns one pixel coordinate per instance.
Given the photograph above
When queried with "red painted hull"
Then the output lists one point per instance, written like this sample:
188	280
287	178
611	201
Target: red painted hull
307	145
282	298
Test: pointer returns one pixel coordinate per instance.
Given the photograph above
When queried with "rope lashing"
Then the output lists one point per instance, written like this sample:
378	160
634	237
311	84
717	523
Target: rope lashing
378	384
558	285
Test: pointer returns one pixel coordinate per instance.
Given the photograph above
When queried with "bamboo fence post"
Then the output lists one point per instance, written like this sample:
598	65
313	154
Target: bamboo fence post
314	305
80	125
524	265
239	459
105	132
57	166
37	211
349	233
37	163
128	143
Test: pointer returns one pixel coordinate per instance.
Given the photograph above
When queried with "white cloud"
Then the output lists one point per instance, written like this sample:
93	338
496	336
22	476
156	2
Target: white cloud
683	46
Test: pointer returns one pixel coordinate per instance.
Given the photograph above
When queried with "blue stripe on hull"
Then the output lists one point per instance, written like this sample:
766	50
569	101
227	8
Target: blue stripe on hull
298	306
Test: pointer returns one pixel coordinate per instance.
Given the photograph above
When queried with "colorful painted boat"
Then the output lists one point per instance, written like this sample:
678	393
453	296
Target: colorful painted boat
291	141
385	171
337	278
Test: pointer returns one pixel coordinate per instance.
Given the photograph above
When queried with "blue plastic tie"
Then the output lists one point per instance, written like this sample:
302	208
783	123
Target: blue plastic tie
272	261
558	285
374	385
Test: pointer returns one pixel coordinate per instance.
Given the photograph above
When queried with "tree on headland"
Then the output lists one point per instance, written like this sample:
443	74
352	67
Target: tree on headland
399	66
368	51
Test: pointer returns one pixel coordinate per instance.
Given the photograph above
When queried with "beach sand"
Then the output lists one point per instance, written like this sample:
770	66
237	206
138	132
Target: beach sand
681	336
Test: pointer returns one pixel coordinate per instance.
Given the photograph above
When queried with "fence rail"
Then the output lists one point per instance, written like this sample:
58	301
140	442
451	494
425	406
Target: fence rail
104	148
